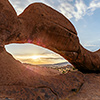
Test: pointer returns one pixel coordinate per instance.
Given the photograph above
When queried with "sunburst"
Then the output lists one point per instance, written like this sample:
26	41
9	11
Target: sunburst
36	57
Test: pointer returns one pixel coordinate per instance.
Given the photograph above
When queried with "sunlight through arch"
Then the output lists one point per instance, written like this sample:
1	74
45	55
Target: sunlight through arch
33	54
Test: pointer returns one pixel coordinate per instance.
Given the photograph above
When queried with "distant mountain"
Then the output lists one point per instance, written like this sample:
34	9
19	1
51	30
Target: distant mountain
62	63
53	65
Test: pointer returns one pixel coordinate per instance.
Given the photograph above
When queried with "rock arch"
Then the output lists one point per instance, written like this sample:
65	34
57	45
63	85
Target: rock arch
43	26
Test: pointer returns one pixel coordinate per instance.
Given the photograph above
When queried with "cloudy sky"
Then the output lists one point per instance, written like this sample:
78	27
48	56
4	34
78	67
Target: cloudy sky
85	16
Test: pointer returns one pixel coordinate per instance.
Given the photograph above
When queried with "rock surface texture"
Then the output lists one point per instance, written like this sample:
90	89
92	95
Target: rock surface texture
43	26
25	82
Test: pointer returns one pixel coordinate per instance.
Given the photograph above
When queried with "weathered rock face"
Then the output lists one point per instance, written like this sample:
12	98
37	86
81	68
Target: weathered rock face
8	22
90	89
27	83
46	26
42	25
52	30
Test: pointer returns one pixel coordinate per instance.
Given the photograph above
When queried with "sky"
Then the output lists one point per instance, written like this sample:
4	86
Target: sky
84	15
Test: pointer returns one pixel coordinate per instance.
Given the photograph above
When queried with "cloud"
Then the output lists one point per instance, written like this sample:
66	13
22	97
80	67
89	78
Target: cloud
66	9
70	8
19	5
76	10
42	60
81	9
46	58
92	46
94	5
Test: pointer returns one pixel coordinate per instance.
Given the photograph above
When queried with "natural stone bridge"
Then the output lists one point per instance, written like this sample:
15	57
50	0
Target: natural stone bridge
43	26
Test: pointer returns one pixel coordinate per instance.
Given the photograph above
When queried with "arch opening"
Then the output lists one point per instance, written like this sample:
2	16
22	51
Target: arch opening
35	55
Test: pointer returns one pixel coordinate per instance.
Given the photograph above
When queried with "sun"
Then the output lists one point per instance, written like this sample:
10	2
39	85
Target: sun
35	57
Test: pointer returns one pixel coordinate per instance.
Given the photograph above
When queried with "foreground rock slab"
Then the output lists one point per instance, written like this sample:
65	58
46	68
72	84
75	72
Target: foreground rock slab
25	82
18	81
90	89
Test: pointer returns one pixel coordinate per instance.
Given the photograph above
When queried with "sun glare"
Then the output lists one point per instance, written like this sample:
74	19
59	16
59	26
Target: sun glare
35	57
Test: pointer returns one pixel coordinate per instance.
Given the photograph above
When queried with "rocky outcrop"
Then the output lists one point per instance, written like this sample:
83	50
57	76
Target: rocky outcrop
90	90
8	22
26	82
42	25
52	30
